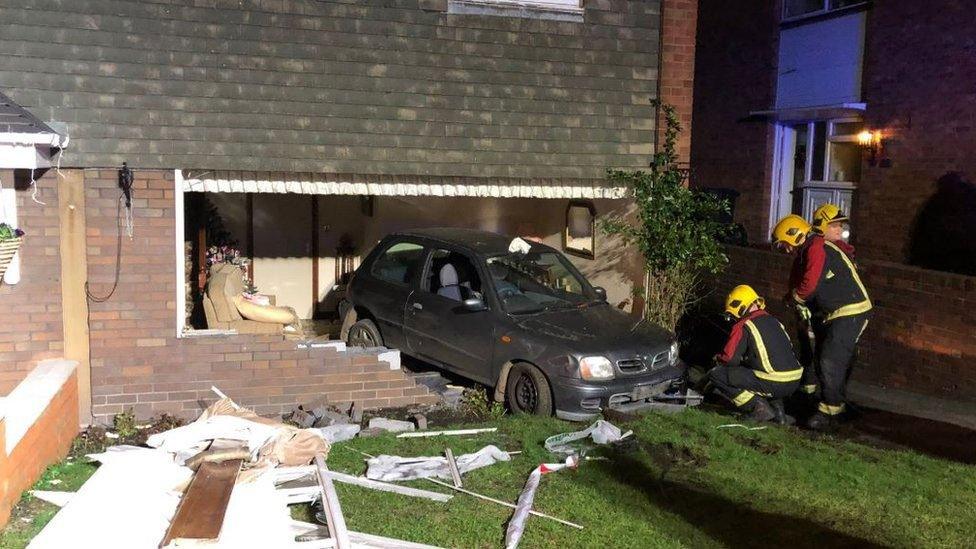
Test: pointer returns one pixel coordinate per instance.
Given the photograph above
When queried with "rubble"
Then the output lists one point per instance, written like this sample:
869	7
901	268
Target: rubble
391	425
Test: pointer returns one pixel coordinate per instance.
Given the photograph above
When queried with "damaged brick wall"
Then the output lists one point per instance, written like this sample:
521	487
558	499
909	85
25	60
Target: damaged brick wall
679	21
31	309
922	336
137	361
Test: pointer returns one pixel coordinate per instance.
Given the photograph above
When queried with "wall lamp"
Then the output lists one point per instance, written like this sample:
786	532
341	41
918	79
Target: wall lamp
873	142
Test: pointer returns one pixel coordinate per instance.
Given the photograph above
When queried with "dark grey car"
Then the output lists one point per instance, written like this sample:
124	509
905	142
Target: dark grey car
525	322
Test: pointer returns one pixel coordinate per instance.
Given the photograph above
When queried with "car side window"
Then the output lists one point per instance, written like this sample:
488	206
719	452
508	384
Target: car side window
398	263
452	275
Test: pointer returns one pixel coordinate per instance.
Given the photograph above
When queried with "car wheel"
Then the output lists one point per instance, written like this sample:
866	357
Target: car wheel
527	391
364	333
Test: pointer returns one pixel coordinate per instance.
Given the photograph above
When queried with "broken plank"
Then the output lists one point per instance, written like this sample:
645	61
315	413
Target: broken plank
505	503
416	434
200	514
330	503
388	487
452	465
358	539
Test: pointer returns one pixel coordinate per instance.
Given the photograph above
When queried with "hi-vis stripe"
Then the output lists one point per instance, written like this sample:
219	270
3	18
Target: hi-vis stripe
854	308
770	374
743	398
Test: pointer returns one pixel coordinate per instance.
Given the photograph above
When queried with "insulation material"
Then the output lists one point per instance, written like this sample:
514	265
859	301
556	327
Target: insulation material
395	468
516	526
601	432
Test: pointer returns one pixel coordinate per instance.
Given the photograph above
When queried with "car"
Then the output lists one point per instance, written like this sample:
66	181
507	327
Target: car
510	314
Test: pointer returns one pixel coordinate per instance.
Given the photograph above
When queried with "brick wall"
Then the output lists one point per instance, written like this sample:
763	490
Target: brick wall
922	336
44	443
735	73
138	363
679	22
31	309
924	104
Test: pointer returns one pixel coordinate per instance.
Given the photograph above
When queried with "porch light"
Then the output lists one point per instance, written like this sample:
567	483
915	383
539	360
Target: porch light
872	142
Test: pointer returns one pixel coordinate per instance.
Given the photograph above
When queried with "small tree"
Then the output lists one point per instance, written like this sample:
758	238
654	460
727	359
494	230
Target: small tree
676	229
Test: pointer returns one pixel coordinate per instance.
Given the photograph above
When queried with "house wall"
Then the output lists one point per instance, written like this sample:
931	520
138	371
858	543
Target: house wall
921	337
369	87
138	363
31	309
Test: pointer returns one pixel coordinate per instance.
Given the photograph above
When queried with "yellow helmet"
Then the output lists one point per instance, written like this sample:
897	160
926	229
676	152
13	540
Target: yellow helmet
825	215
790	231
740	299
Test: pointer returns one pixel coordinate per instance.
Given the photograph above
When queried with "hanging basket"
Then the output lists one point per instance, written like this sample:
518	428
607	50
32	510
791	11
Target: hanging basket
8	249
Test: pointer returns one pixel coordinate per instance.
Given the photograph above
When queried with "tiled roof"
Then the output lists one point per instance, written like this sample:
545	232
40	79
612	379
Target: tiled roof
17	119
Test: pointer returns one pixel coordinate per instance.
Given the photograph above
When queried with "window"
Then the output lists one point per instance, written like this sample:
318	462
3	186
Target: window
538	281
398	263
452	275
817	162
560	10
793	9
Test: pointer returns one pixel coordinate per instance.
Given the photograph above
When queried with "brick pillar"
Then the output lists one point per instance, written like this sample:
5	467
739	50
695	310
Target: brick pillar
679	21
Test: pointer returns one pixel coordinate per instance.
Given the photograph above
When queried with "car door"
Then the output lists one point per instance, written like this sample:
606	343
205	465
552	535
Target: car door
392	275
437	325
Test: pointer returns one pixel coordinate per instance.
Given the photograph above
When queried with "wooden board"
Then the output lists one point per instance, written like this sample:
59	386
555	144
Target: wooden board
74	273
201	512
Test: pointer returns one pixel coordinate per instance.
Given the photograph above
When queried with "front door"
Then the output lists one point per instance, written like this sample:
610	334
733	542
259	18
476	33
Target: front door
437	325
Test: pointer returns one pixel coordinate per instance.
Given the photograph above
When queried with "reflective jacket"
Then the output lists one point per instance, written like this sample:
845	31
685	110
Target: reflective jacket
758	341
825	279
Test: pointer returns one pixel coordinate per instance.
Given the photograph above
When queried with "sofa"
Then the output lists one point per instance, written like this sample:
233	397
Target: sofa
226	309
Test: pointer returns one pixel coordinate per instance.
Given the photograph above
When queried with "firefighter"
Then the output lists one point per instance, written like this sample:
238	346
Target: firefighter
757	362
824	282
830	221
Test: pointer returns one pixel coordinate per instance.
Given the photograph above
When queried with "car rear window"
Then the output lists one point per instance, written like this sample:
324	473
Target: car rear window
398	263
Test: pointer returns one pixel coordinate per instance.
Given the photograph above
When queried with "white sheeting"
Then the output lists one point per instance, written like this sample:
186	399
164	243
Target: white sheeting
325	184
602	432
395	468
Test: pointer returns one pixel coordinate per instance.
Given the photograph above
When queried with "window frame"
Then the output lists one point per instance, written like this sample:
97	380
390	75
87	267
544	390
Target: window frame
537	9
426	273
825	10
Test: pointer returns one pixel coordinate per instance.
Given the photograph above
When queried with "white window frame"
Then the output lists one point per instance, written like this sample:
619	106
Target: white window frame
560	10
783	187
826	8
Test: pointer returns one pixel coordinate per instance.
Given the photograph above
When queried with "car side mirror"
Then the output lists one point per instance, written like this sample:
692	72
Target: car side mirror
474	304
601	292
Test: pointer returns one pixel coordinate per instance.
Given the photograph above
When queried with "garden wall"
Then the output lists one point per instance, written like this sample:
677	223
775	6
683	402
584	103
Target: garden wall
923	334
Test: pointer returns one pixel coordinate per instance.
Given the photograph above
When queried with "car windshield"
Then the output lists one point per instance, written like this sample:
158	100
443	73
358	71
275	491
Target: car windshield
538	281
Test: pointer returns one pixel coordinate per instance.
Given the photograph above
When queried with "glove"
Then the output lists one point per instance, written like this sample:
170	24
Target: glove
803	312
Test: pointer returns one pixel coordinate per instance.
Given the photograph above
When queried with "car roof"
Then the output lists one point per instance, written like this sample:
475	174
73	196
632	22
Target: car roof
480	242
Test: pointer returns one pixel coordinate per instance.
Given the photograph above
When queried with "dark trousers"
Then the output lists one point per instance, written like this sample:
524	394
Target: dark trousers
836	355
741	385
810	335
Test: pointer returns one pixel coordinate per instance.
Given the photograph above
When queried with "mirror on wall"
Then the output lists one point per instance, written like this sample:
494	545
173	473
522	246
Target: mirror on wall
579	237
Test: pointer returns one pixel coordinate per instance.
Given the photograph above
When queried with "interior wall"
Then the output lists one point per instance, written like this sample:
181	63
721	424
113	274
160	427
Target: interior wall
339	217
283	249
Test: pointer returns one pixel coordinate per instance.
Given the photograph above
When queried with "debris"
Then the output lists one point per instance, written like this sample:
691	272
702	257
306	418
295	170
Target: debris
746	427
200	514
421	421
391	425
111	435
516	526
218	455
505	503
330	501
455	473
339	432
371	432
302	418
54	481
56	498
306	531
396	468
356	412
602	432
447	433
519	246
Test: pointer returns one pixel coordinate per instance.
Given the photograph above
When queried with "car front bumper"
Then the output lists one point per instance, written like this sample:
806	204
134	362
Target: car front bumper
578	400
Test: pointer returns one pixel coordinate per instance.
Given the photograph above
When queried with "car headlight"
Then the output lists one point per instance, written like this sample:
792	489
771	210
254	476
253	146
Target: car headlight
595	368
673	353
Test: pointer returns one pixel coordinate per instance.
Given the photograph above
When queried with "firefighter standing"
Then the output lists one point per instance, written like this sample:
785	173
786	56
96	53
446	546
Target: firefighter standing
758	360
825	281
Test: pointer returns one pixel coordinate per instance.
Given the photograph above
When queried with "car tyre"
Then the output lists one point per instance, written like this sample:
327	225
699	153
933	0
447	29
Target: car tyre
364	333
527	391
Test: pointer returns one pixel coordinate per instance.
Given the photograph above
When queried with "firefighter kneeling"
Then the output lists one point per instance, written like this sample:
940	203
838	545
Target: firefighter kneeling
758	360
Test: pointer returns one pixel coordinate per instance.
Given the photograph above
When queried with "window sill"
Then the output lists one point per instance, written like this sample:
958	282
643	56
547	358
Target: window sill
516	8
189	334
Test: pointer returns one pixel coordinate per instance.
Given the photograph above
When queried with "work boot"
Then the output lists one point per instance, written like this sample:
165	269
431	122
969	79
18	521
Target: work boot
761	411
821	422
780	411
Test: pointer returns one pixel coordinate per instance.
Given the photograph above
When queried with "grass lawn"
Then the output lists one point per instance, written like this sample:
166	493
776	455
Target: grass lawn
686	484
